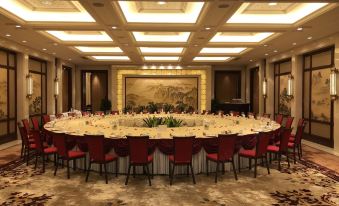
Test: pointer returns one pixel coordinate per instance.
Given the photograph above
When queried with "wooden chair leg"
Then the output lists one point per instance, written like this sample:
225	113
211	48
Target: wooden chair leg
22	150
239	163
43	163
288	158
152	175
207	173
128	173
148	175
267	164
255	167
223	168
294	155
85	164
169	169
192	173
88	170
172	174
105	169
133	171
250	163
36	161
234	170
27	156
187	171
216	173
299	151
100	170
57	164
68	174
74	164
279	161
116	167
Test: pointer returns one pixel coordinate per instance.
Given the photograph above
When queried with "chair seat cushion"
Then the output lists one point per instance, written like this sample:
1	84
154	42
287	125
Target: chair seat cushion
31	140
149	160
75	154
171	159
272	148
32	146
50	150
247	153
291	139
290	144
213	157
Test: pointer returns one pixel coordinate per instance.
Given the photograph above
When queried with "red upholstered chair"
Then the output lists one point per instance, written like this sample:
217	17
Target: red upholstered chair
183	150
46	118
226	146
266	115
289	122
25	123
96	149
296	144
85	114
301	122
251	114
282	147
279	118
58	116
114	112
138	155
64	153
35	123
234	113
24	141
101	113
259	152
41	150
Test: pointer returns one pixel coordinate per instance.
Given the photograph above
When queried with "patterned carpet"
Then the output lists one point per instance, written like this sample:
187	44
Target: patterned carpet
305	183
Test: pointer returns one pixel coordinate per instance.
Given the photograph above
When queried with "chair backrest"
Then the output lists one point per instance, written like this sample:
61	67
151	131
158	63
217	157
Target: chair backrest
23	134
84	114
234	113
101	113
25	123
279	118
46	118
96	148
262	142
183	148
284	138
138	148
301	122
35	123
289	122
59	141
37	140
114	112
59	116
299	133
266	115
226	146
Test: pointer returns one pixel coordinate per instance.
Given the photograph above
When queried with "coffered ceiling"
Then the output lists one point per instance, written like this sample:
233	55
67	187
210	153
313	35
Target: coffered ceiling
165	32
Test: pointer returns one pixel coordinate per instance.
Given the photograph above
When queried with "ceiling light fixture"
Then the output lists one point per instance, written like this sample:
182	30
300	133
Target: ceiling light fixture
226	50
70	59
208	28
44	49
112	58
161	3
294	43
266	54
8	35
309	38
23	41
161	58
17	26
178	67
275	51
251	60
240	36
114	27
265	45
272	4
300	29
210	59
171	50
97	49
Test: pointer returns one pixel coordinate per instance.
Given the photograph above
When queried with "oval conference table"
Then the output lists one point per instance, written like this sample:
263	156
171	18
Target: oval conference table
204	127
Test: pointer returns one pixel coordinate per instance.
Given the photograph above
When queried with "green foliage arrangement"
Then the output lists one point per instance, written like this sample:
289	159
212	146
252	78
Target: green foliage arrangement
168	121
139	109
105	105
128	108
168	107
152	107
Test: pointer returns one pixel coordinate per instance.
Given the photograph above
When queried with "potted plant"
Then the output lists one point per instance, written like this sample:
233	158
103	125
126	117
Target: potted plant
106	105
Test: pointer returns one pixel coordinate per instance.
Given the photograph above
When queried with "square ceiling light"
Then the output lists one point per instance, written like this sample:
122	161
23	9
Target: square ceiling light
162	58
240	36
211	59
166	12
111	58
56	11
227	50
279	13
95	49
161	36
80	35
164	50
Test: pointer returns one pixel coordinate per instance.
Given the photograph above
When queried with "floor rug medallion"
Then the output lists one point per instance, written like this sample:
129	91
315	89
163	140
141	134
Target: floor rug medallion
304	183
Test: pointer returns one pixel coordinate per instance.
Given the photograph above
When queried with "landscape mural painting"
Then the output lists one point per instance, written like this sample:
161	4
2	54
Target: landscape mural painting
3	93
284	100
140	91
321	102
35	101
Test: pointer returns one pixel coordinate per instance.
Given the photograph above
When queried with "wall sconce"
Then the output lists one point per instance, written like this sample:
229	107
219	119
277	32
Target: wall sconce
264	88
290	82
29	86
333	84
56	87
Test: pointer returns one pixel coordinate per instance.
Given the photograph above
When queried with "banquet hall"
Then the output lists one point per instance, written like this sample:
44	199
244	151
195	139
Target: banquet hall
178	102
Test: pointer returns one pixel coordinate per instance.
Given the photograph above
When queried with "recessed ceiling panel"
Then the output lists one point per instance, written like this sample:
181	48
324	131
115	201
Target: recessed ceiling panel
53	11
94	49
110	58
210	59
228	50
164	50
80	35
240	36
161	36
279	13
156	12
161	58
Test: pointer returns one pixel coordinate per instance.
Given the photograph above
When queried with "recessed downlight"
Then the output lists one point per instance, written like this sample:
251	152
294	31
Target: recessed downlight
300	29
8	35
309	38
